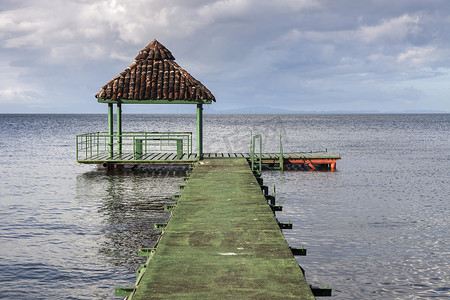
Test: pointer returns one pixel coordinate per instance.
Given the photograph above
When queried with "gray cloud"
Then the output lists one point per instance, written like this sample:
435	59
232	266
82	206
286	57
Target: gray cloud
291	54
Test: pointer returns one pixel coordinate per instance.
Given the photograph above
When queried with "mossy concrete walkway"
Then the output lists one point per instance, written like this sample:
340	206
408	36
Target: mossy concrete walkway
222	241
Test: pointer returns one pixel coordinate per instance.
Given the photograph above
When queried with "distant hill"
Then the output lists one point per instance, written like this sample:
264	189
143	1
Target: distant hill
270	110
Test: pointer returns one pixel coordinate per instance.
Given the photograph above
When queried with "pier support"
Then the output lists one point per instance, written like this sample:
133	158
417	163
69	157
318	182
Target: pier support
333	166
200	131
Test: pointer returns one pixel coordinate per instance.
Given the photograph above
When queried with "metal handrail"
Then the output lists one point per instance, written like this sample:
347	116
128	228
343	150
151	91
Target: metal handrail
252	154
97	143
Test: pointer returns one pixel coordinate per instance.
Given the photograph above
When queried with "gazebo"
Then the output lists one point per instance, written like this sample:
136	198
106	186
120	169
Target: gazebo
153	78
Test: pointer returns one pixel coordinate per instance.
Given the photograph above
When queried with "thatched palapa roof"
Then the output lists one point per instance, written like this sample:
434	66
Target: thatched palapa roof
154	76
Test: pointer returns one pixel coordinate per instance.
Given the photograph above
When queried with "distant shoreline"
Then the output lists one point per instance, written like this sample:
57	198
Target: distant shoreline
238	113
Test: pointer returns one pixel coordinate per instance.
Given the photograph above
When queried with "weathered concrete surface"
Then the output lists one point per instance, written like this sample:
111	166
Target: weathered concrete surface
223	241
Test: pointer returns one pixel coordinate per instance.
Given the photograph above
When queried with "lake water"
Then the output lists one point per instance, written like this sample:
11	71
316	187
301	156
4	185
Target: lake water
377	228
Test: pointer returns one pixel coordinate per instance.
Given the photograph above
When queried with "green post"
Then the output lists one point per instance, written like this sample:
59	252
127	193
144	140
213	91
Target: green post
253	159
179	148
138	148
110	130
200	131
281	155
119	128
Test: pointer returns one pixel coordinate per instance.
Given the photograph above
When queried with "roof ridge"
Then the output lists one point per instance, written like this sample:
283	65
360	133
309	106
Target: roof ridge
155	51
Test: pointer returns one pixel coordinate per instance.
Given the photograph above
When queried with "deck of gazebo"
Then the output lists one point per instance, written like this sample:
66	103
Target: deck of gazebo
175	148
155	148
269	160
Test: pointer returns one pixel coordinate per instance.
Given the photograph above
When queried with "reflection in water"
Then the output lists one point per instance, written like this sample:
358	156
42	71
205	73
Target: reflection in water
129	200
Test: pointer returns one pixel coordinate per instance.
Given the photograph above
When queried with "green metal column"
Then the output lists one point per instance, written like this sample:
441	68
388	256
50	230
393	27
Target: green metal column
281	154
200	131
110	130
119	128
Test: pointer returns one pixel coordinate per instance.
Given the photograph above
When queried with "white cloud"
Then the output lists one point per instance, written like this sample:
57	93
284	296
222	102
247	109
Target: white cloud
419	56
19	96
225	9
15	88
395	30
298	5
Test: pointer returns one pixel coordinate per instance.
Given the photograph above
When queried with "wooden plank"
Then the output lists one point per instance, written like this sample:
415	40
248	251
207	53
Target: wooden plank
103	157
117	157
146	156
166	156
94	157
128	156
153	156
157	156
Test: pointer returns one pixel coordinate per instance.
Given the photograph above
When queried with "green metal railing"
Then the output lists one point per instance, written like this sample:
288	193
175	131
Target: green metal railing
256	160
103	146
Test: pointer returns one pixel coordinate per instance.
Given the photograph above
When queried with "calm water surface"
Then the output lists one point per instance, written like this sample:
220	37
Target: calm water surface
375	229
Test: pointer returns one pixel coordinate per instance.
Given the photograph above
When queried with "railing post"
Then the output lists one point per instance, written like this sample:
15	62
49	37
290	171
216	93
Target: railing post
252	153
85	142
199	131
98	143
119	128
77	148
251	140
260	154
188	144
110	130
134	147
281	154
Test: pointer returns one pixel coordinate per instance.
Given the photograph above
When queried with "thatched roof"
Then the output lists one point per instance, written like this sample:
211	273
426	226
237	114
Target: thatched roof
155	76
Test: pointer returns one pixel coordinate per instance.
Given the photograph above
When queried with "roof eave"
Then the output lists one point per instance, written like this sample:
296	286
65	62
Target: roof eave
159	101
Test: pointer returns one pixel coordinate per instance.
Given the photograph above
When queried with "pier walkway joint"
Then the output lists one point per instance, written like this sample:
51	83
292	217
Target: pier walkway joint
222	241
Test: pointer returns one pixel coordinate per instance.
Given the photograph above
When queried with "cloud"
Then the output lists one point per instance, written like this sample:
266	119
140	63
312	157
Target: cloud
15	89
392	30
19	96
261	51
419	56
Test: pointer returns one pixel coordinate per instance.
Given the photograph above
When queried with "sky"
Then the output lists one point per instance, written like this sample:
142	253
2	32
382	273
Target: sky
254	55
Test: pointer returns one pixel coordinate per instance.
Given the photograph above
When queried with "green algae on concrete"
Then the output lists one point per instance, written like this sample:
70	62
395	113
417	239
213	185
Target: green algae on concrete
222	241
